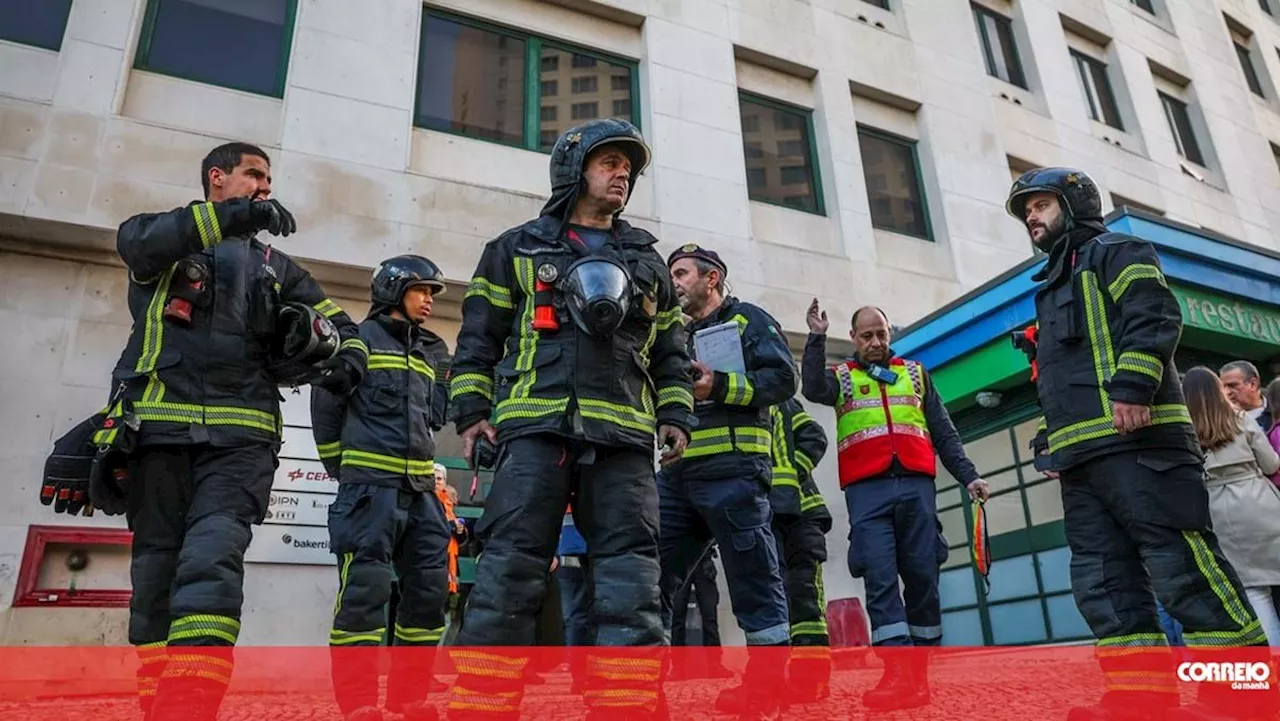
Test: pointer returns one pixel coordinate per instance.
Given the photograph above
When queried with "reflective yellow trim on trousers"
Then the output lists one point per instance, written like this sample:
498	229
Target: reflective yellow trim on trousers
478	383
204	625
411	634
1134	640
194	664
495	295
713	441
391	464
489	665
352	638
1218	581
464	699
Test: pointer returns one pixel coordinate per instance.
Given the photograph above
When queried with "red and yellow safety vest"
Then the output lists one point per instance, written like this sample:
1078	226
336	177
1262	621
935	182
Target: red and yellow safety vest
876	422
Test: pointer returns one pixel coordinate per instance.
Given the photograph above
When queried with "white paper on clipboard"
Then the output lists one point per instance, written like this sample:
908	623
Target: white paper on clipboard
720	347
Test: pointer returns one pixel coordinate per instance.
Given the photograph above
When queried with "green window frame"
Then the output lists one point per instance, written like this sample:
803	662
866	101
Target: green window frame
1030	540
534	45
917	169
142	58
811	152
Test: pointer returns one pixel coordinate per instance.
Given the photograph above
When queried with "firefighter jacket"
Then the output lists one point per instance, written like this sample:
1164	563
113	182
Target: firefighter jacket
798	445
1108	327
526	381
207	380
914	390
382	433
732	435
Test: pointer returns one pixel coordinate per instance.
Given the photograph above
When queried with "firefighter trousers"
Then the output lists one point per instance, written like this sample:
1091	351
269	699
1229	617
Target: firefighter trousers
376	531
615	507
190	508
1138	521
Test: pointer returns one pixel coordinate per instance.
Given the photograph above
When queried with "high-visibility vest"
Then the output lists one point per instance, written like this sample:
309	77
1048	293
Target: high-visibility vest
876	422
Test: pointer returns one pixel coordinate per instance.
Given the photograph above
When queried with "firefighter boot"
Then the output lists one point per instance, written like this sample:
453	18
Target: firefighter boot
420	711
899	688
365	713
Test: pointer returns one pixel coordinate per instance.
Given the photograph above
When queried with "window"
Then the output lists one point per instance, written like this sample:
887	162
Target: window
1184	136
1250	72
999	51
40	24
777	142
251	52
1266	6
462	62
882	4
1275	154
894	187
1097	90
1144	4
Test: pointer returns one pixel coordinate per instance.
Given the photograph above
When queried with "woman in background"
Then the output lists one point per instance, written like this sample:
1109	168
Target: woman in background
1244	504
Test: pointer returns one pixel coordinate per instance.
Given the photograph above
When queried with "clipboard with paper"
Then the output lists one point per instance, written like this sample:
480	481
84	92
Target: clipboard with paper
720	348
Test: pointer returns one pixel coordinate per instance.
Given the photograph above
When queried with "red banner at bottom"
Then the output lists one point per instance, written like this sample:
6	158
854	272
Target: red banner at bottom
267	683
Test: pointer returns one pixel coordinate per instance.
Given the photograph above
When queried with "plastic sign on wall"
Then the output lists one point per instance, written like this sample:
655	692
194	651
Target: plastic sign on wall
296	528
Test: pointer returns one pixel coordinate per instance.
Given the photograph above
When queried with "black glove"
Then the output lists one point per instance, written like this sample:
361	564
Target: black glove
271	216
340	374
65	484
107	484
242	216
67	495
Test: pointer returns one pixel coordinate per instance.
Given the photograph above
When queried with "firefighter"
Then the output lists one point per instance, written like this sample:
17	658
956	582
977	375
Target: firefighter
800	524
720	489
1119	437
571	358
386	522
194	385
891	424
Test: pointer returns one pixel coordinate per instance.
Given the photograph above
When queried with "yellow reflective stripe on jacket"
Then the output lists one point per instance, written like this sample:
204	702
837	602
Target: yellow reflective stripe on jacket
668	318
527	345
786	476
812	501
725	440
1131	274
153	325
617	414
327	308
355	343
206	224
675	395
492	293
1095	315
478	383
803	461
800	419
860	409
386	361
1139	362
329	450
207	415
391	464
530	408
1104	425
738	390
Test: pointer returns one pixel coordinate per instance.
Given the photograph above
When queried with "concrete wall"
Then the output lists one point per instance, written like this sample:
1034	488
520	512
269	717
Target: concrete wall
86	141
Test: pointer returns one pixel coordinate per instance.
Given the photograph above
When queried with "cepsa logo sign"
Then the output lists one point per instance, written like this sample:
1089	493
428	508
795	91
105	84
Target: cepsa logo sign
1241	676
298	474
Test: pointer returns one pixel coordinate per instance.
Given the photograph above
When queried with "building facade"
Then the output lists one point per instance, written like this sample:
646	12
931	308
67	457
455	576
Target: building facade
858	151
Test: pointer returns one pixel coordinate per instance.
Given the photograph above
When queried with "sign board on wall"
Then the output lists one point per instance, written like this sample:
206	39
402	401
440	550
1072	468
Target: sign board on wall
296	527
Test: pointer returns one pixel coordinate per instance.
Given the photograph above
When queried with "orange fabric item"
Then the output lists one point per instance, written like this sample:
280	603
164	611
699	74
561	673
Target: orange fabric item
981	544
452	518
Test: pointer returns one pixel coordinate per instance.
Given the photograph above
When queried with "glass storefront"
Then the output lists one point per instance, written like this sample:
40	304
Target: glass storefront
1029	600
